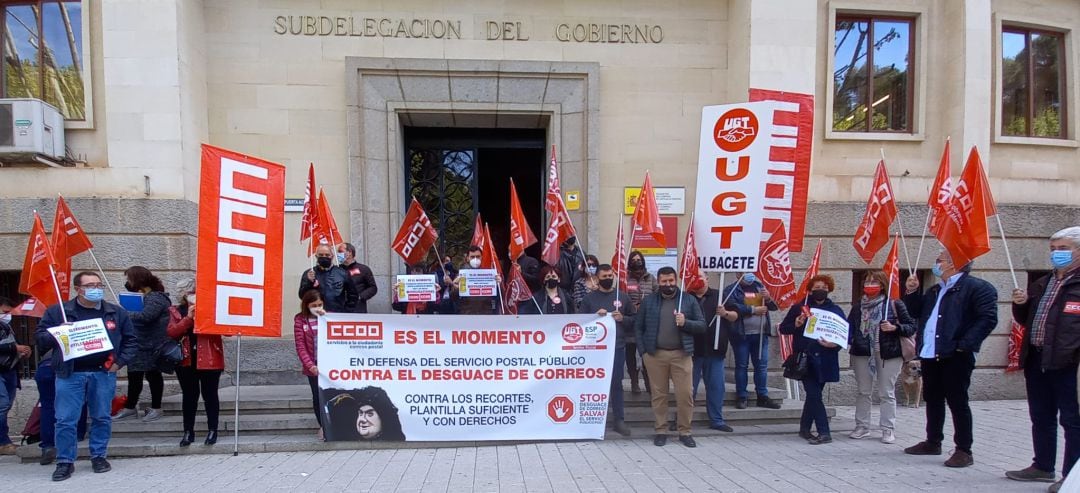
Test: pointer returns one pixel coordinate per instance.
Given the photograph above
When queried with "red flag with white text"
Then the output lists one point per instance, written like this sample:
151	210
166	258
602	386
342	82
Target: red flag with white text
647	214
517	290
521	235
892	270
966	235
310	216
416	235
559	230
811	271
618	261
941	192
1016	341
326	229
690	268
774	268
68	240
37	274
873	231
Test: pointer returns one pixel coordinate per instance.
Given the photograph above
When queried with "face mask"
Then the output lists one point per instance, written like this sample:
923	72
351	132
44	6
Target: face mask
819	295
551	283
190	299
341	257
474	263
94	295
591	270
749	278
5	318
1061	258
871	291
325	262
936	269
129	287
637	265
318	312
667	290
606	283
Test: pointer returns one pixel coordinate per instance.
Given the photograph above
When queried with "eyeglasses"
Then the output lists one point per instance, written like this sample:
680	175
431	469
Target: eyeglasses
92	286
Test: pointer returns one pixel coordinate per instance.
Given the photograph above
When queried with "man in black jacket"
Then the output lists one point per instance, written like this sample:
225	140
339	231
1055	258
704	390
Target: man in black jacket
958	314
11	353
1050	309
571	264
606	299
333	282
361	275
710	347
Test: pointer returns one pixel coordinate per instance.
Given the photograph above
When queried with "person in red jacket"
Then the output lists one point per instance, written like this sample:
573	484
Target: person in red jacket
306	333
200	370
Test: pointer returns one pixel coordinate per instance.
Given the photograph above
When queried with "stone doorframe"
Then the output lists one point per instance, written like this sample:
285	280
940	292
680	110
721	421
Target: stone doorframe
386	94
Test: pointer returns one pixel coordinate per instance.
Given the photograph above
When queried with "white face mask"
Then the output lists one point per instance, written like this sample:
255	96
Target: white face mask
318	312
5	318
474	263
190	299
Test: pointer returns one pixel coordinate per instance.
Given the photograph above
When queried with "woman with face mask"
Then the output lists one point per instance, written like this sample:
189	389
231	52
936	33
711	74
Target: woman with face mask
200	370
151	324
874	346
305	334
586	283
550	299
824	363
639	284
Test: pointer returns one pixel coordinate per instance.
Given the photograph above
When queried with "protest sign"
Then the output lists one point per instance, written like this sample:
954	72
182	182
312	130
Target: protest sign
827	325
477	282
438	378
81	338
417	288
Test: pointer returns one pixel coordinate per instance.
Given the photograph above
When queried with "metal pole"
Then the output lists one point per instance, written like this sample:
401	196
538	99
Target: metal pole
716	336
60	300
103	276
1016	285
236	402
918	256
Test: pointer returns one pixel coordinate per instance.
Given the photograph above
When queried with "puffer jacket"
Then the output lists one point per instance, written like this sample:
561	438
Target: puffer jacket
647	322
859	344
151	329
209	351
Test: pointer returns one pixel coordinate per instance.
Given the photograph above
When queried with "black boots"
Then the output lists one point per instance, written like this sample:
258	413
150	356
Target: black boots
189	436
211	438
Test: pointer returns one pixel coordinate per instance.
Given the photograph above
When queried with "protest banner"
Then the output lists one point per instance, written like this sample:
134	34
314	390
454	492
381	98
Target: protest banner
81	338
240	245
415	288
477	282
733	162
827	325
439	378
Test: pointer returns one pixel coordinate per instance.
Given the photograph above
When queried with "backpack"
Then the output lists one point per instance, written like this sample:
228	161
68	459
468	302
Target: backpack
31	432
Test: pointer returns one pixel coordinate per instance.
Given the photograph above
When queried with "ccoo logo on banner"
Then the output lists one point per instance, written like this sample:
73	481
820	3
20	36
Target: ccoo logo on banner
733	162
239	274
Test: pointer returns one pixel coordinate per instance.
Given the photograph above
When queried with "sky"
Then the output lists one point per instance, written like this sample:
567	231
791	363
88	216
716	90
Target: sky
55	35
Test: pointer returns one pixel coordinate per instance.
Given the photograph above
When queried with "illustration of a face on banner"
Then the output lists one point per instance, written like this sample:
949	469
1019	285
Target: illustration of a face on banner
363	414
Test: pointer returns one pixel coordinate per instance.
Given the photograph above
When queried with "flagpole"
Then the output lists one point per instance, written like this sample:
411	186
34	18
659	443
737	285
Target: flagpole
59	298
926	226
888	295
236	402
103	276
899	224
618	258
1016	285
716	335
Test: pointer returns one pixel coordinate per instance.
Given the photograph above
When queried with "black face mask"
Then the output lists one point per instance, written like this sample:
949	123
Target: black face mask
637	265
667	290
819	295
325	262
551	283
129	287
606	283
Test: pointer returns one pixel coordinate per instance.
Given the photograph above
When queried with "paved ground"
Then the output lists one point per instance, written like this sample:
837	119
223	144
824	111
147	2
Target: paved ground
776	461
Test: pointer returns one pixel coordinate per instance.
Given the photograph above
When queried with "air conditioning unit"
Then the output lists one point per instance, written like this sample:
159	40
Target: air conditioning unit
31	130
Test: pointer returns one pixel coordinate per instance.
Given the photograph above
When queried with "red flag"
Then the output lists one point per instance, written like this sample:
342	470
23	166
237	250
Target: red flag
873	232
37	276
941	193
489	259
892	270
966	234
30	308
517	290
326	230
618	261
1016	340
785	346
554	193
559	230
311	213
811	271
416	235
690	270
774	269
68	240
646	214
478	233
521	235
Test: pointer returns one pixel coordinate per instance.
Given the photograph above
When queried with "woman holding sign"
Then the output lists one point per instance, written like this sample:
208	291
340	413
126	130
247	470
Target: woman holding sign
823	364
874	331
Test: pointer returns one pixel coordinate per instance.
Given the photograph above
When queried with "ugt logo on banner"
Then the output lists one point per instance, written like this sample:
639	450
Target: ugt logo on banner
732	173
241	229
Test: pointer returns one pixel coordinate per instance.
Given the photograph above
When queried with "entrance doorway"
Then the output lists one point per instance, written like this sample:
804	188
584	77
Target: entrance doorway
456	173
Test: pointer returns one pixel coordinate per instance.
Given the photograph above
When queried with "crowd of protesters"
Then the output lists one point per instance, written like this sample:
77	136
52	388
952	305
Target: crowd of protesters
671	339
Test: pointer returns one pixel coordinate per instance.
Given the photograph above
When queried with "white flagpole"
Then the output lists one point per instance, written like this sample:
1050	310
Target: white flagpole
900	226
716	336
1016	285
926	226
618	258
236	402
103	276
61	299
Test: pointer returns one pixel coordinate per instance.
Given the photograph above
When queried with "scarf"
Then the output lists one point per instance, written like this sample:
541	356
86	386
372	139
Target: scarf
873	312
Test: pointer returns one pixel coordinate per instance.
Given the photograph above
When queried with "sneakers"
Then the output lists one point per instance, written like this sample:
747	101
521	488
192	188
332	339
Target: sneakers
924	448
621	428
659	440
887	436
767	403
741	403
48	455
8	449
152	415
1031	473
859	432
960	458
100	465
124	414
63	471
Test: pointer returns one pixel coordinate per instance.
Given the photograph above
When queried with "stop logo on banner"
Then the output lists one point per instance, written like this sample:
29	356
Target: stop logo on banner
560	409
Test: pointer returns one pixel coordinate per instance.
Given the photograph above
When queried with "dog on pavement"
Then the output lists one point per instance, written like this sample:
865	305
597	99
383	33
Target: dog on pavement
911	380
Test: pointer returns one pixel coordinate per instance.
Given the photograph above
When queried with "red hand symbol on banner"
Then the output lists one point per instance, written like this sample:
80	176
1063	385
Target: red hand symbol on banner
560	409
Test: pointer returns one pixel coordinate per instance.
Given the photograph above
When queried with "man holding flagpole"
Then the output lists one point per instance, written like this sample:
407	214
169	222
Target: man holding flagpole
333	282
750	338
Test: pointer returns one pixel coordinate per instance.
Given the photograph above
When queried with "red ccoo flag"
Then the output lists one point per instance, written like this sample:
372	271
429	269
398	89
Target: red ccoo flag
521	235
554	192
489	259
690	270
965	232
774	269
811	271
941	200
478	233
416	235
517	290
311	212
892	270
326	230
37	274
873	232
646	214
618	261
68	240
559	230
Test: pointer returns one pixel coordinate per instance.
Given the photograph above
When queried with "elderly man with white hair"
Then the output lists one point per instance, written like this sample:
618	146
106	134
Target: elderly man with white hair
1050	309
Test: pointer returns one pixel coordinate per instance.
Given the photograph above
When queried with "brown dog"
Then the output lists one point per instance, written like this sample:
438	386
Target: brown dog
911	380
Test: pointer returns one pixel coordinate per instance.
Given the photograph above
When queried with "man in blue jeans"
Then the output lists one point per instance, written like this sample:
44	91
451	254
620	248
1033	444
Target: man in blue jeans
710	348
10	355
89	379
601	301
46	384
750	337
